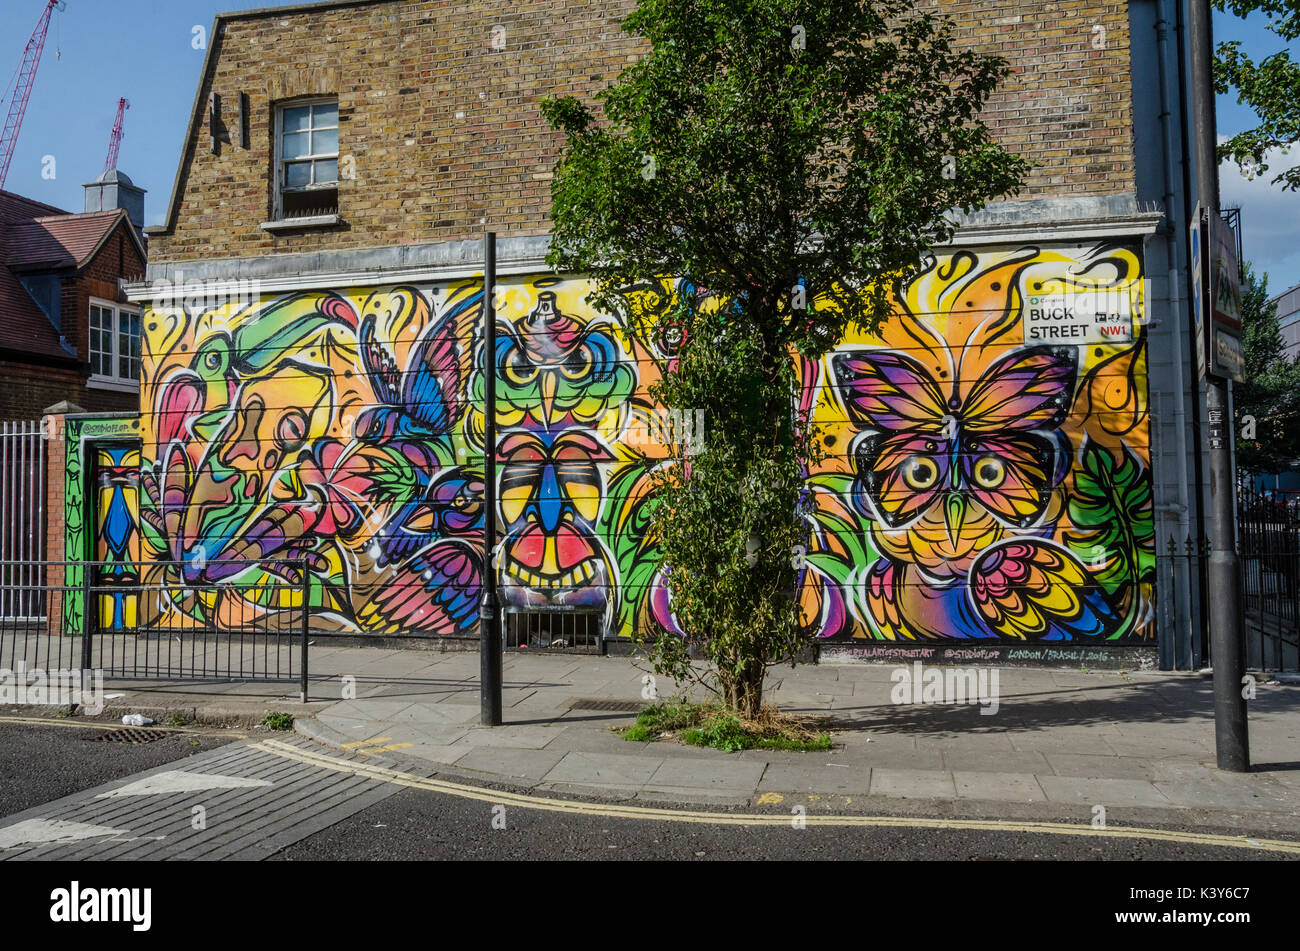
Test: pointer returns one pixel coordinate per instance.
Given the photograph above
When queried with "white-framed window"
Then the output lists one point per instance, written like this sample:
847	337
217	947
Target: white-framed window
114	344
307	159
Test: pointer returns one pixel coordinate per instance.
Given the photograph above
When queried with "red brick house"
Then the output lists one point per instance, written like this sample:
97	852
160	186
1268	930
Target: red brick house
67	331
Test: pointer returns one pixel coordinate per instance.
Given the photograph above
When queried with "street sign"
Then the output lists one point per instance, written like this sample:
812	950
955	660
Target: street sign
1089	316
1228	357
1216	297
1196	244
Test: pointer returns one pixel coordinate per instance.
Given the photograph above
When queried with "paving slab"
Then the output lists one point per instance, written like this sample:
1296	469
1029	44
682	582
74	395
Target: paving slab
732	777
1000	787
1091	765
510	762
439	713
1047	740
913	783
519	737
843	779
1103	792
897	758
603	769
1220	795
1031	761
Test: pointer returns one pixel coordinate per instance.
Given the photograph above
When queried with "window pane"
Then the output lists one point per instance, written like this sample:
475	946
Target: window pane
299	173
101	341
296	118
296	145
326	114
327	171
128	345
325	143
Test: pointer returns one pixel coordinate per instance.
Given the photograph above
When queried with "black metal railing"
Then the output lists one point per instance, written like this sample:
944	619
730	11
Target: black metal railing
1268	542
156	621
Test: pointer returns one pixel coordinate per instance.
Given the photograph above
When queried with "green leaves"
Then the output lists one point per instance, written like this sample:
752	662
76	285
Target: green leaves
774	164
1110	509
1267	404
747	164
1271	87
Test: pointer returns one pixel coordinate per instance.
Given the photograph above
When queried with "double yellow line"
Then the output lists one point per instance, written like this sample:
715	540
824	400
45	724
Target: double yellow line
621	811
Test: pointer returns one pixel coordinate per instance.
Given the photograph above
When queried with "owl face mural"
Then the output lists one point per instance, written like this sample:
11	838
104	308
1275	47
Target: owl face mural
986	477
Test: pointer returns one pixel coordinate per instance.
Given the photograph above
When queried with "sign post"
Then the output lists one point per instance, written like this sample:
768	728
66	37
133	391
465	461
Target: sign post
489	614
1217	312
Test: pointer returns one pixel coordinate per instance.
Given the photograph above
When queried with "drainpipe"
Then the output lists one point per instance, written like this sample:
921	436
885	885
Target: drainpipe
1198	644
1173	229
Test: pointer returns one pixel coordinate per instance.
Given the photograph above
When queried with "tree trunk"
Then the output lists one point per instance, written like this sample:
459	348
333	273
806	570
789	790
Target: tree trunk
743	692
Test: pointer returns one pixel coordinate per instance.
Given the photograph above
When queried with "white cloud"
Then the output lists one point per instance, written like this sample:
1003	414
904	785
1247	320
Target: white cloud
1270	218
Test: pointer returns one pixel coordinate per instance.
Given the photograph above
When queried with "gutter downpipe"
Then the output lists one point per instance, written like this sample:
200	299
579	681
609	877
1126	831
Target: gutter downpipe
1181	650
1199	644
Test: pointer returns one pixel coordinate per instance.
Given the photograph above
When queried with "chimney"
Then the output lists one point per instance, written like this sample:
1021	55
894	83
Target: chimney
113	190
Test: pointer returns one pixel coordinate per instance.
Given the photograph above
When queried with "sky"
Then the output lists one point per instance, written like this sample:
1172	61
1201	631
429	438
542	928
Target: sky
148	51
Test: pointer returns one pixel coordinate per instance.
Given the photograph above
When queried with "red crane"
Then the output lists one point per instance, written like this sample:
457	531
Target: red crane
115	138
23	89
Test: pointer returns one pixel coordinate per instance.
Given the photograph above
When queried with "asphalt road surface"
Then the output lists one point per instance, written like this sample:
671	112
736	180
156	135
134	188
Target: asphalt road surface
415	824
40	763
382	819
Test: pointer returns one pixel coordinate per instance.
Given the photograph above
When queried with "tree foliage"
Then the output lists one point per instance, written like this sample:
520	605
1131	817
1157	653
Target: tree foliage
1271	87
794	159
1267	404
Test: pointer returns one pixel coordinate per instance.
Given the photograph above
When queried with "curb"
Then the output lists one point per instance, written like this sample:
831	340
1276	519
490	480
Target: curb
193	714
1227	820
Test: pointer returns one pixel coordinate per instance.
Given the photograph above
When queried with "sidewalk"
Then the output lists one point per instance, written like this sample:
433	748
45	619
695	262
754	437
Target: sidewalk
1061	741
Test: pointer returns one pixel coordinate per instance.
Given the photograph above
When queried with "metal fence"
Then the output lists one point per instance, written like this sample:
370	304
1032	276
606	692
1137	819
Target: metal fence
146	621
22	518
1268	542
578	630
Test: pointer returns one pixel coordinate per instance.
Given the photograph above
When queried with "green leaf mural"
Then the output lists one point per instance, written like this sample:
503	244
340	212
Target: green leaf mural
1111	508
624	525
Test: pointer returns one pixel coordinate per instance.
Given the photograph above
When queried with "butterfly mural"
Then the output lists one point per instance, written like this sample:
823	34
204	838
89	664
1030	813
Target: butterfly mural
962	443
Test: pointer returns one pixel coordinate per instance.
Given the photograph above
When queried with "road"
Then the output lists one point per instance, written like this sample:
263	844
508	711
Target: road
212	794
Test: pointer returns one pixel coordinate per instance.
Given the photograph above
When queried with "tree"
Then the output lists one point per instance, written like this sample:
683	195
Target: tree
1267	404
793	159
1270	87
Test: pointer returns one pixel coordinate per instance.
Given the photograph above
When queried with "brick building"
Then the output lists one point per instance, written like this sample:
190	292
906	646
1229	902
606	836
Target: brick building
67	332
312	370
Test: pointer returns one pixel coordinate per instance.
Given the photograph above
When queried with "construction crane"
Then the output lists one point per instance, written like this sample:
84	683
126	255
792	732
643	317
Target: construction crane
115	138
23	90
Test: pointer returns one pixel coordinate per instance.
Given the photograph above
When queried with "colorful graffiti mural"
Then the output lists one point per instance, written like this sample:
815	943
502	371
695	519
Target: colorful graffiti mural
117	539
84	522
991	469
986	472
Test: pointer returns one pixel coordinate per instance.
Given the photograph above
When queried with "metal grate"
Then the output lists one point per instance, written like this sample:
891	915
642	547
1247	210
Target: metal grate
549	629
132	735
598	703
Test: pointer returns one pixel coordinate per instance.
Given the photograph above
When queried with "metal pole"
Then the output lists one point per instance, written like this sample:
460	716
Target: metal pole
87	626
306	628
489	627
1227	644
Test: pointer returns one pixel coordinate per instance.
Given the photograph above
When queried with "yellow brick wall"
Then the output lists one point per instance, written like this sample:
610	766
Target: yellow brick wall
403	70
